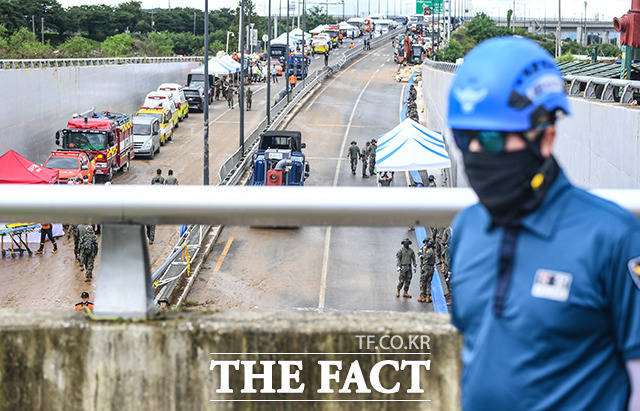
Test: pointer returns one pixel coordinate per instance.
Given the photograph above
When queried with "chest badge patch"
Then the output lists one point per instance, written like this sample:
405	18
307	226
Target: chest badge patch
634	270
552	285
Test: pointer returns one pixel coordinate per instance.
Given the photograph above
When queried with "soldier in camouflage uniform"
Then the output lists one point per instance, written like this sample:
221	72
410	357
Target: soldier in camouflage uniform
372	156
444	236
354	153
151	229
364	157
171	179
88	251
427	267
78	231
406	261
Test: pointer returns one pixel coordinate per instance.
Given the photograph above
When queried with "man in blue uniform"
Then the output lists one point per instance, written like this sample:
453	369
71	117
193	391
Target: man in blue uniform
545	276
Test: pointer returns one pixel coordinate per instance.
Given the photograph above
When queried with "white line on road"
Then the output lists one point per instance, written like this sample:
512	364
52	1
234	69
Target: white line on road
327	237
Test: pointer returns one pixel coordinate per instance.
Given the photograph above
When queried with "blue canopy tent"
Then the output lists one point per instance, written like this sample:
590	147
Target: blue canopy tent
411	146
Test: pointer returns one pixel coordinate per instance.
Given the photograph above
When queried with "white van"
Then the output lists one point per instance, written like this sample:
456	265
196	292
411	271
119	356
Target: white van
163	99
178	97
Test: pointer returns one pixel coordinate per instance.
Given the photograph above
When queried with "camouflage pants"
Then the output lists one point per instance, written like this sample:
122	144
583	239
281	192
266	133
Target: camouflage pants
405	277
151	232
364	166
76	243
87	257
372	165
354	164
425	281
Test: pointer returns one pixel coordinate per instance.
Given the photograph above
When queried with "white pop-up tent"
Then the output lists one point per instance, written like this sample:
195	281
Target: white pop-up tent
229	63
318	29
411	146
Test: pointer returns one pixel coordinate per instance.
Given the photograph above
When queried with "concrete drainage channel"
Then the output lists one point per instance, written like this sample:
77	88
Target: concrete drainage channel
175	277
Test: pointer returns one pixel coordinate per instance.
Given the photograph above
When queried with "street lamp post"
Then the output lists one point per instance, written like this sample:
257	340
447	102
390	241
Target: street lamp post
269	65
304	40
241	94
229	33
559	31
205	180
286	75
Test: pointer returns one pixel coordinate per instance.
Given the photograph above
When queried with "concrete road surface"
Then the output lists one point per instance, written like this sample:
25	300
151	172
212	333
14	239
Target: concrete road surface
323	268
49	281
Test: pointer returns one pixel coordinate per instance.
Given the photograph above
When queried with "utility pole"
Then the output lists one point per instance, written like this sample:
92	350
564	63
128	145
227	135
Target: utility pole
33	24
194	23
42	28
205	156
357	8
369	1
584	33
343	9
269	65
286	74
559	31
241	94
304	41
327	17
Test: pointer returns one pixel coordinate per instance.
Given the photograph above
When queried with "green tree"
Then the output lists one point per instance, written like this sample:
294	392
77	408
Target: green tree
316	16
158	44
453	51
509	15
481	28
566	57
78	47
24	44
573	47
120	45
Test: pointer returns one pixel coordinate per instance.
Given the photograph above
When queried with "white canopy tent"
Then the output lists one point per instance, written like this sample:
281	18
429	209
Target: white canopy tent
229	63
217	68
411	146
318	29
346	26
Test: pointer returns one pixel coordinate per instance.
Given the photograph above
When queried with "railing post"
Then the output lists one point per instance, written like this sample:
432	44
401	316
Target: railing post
124	280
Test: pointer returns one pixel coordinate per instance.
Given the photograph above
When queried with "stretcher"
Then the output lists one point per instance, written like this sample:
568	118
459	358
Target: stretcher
16	237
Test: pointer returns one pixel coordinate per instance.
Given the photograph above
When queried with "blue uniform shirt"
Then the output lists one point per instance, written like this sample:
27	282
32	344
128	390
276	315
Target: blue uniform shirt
570	310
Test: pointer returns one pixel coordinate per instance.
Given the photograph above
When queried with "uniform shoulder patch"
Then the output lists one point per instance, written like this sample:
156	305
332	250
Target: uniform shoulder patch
634	270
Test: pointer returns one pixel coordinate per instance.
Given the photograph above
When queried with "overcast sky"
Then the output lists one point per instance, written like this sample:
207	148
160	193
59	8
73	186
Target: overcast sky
604	9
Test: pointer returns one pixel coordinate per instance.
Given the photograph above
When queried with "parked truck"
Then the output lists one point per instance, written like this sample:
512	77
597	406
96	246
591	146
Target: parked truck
279	160
107	136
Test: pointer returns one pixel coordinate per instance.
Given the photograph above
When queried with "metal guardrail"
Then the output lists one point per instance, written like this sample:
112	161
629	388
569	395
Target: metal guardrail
604	89
247	205
442	65
166	277
46	63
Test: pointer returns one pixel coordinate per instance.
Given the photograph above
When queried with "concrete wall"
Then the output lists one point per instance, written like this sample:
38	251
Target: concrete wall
37	102
64	361
598	146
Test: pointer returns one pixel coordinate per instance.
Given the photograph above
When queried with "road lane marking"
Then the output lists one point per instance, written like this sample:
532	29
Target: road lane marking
225	251
337	77
327	237
327	158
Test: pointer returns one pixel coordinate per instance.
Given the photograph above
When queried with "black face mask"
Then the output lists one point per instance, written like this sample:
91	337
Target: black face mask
502	182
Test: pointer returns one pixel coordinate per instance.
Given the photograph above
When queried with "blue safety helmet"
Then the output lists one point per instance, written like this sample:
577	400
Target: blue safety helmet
506	84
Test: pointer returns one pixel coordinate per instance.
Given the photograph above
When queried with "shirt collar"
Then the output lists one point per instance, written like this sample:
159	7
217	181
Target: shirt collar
543	220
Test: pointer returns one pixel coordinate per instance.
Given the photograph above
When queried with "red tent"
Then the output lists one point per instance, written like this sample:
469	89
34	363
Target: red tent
15	169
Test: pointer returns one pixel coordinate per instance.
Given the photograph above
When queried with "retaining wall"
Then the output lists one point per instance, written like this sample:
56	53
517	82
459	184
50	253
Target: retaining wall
40	101
598	146
63	361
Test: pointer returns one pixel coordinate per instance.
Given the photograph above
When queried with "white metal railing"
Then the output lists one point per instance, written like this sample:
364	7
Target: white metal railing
45	63
246	205
608	90
604	89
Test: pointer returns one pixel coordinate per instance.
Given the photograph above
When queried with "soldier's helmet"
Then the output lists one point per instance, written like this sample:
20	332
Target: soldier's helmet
432	178
90	230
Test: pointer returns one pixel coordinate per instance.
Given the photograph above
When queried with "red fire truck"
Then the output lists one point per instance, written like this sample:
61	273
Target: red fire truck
107	136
